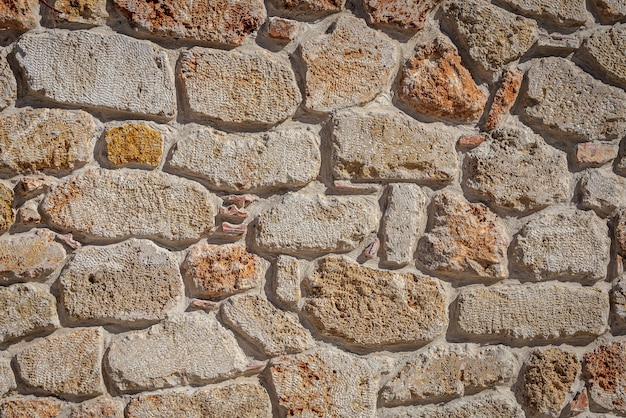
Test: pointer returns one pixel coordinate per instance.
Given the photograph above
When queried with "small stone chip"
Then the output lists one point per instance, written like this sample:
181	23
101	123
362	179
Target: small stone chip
595	154
504	99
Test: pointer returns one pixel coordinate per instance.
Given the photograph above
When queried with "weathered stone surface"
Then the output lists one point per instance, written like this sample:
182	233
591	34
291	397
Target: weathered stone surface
124	203
286	284
403	222
122	283
84	68
399	14
18	14
7	216
270	330
598	113
548	377
239	86
283	29
30	407
464	240
373	145
299	223
606	50
243	399
371	308
26	309
48	140
605	368
191	348
618	298
302	8
249	162
516	171
215	271
610	10
561	13
564	245
134	144
447	370
349	65
29	256
532	312
492	36
65	363
602	191
7	379
226	22
504	98
594	154
435	83
91	12
8	86
98	408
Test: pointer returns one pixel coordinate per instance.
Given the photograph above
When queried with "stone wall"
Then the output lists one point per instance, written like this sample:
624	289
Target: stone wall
316	208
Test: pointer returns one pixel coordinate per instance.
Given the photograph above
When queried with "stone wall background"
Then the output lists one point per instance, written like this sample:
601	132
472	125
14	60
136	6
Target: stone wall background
312	208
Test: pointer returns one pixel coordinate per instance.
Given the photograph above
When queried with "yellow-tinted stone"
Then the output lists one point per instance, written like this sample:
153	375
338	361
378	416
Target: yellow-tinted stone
134	143
6	211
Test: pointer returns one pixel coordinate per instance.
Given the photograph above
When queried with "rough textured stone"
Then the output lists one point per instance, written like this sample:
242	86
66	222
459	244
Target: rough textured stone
349	65
26	309
602	191
504	98
98	408
7	379
561	13
399	14
83	68
29	256
243	399
216	271
435	83
606	50
307	8
565	245
29	407
91	12
372	145
618	298
492	36
298	223
249	162
605	369
239	86
598	113
64	364
8	89
286	284
226	22
7	216
122	283
48	140
283	29
371	308
18	14
134	143
270	330
548	377
532	312
610	10
464	240
131	203
192	348
595	154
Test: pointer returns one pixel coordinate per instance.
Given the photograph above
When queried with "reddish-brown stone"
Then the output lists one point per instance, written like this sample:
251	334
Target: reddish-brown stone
606	371
470	141
31	408
18	14
279	28
399	13
595	153
504	98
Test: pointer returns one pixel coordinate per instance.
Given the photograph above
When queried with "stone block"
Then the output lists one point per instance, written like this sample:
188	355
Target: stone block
26	309
29	256
134	144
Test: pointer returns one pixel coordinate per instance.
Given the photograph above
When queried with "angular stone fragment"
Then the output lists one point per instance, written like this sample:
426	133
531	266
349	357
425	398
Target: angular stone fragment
122	283
286	284
349	65
597	153
561	13
605	369
602	191
98	408
597	113
226	22
564	245
65	363
8	86
399	14
84	68
605	51
618	298
372	145
505	97
251	162
123	203
307	8
30	407
26	309
7	216
492	36
134	143
7	379
90	12
471	141
188	349
299	223
48	140
464	240
18	14
610	10
530	313
435	83
239	86
283	29
270	330
516	171
371	308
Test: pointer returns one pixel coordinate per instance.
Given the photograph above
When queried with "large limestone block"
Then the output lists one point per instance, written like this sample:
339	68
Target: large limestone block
7	379
8	85
29	256
606	51
349	65
84	68
26	309
18	14
399	14
561	13
191	348
567	102
249	162
610	11
373	145
123	203
7	216
606	376
239	86
371	308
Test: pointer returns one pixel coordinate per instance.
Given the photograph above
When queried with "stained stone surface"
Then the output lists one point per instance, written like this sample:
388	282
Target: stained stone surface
26	309
7	216
561	13
30	407
7	379
18	14
606	373
29	256
601	191
8	91
610	11
399	14
89	12
606	50
134	143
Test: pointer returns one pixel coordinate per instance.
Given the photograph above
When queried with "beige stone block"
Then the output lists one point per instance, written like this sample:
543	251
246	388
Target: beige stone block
26	309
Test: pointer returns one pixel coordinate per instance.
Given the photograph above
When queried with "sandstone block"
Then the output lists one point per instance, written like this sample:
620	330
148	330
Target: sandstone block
606	376
239	87
90	12
7	379
18	14
226	22
101	407
8	89
134	144
124	203
464	240
65	363
610	11
249	162
562	13
605	50
30	407
350	65
370	308
286	284
595	154
504	98
599	114
83	68
373	145
7	216
26	309
602	191
399	14
298	223
304	8
532	313
29	256
435	83
191	348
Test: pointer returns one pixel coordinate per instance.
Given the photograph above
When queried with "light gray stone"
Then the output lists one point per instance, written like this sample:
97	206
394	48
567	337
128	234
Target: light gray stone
26	309
101	407
610	11
8	89
560	13
618	298
29	256
605	51
7	379
602	191
84	68
286	284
